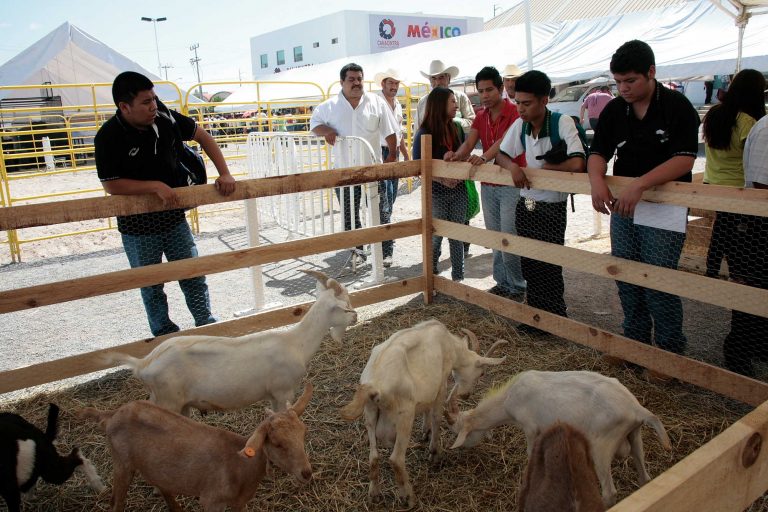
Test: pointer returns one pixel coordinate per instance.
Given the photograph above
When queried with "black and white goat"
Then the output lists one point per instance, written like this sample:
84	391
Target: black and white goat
27	453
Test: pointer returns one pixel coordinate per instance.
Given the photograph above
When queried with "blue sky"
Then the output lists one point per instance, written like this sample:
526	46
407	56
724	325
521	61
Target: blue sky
222	28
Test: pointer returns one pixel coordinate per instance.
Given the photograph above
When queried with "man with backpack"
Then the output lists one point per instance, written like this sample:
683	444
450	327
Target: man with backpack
138	152
549	141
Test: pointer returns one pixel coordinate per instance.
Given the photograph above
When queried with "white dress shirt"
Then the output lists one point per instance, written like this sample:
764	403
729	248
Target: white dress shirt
756	154
372	120
398	113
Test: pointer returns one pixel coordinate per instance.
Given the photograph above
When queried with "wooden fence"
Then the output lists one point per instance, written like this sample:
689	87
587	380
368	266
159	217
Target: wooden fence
728	473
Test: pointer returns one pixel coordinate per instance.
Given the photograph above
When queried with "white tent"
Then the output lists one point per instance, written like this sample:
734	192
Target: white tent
68	55
691	39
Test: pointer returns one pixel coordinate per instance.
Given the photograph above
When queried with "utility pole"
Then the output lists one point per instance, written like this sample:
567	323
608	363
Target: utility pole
496	7
196	62
165	68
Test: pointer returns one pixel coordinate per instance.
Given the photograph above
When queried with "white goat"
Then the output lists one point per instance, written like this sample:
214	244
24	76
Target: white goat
183	457
603	409
219	373
407	375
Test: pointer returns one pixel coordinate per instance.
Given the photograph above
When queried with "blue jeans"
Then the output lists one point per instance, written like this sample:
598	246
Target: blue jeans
387	196
647	310
177	244
499	203
449	204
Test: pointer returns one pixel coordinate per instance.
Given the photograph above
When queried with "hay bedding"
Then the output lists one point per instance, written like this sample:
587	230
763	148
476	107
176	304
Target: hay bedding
484	478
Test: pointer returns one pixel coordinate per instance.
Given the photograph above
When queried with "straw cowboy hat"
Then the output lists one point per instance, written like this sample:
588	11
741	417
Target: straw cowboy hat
511	71
436	67
389	73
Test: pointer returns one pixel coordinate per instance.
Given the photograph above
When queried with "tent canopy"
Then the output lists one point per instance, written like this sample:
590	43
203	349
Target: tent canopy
68	55
689	39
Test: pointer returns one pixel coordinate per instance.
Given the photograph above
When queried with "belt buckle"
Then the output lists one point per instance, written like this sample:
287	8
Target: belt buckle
530	204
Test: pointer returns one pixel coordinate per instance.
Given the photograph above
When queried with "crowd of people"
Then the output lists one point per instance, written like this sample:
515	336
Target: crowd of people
649	132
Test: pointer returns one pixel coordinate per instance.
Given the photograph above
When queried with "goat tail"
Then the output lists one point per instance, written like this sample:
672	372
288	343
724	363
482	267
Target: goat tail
654	422
363	394
120	359
53	422
97	416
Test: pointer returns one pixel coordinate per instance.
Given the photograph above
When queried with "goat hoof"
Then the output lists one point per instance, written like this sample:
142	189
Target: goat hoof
375	498
408	501
436	457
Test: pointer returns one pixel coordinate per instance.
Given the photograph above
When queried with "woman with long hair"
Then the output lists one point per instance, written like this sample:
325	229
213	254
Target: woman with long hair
449	196
726	127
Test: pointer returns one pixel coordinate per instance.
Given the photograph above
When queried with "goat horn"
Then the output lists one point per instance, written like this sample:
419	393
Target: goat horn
495	346
303	400
472	340
317	275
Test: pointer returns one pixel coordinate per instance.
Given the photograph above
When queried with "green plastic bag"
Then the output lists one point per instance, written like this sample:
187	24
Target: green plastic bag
473	199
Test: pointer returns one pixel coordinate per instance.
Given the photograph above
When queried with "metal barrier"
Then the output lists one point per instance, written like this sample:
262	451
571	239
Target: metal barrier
306	214
41	138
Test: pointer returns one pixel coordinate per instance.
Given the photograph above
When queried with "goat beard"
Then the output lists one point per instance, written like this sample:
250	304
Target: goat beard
337	333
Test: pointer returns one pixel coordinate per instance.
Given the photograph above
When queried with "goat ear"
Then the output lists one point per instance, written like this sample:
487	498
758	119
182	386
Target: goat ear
256	442
490	361
303	400
334	285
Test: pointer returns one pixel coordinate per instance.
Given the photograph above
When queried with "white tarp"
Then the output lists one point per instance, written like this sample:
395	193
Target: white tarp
689	39
68	55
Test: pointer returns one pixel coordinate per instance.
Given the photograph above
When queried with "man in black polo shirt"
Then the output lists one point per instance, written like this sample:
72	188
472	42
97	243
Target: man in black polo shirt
654	133
135	154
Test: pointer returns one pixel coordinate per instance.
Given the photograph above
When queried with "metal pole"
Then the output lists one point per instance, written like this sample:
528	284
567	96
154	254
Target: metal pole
157	48
528	43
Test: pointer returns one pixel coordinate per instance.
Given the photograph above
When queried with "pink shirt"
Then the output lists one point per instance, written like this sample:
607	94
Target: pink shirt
596	102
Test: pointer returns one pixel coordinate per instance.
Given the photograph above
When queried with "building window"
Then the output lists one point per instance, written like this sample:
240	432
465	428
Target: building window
280	57
264	60
315	45
335	40
298	56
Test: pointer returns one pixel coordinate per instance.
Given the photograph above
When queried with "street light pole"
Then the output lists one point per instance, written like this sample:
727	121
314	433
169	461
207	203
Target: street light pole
157	46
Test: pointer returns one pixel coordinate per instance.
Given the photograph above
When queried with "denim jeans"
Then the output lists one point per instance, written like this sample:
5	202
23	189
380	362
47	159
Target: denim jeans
546	287
647	310
349	201
499	204
449	204
177	244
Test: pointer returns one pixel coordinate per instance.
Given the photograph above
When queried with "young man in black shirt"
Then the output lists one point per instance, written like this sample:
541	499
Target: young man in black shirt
653	131
136	154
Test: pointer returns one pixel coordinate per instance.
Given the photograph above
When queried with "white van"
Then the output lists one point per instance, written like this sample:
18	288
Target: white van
569	100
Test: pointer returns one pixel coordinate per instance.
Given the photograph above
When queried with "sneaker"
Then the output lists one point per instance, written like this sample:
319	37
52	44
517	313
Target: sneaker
387	261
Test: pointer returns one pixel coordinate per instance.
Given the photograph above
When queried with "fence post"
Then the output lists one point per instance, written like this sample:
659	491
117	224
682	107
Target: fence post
426	217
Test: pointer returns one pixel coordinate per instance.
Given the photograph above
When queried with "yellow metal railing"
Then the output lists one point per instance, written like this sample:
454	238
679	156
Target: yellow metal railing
46	143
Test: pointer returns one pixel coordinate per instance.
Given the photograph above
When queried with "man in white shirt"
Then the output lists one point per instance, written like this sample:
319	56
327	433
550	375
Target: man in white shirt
440	76
541	214
355	113
510	74
390	84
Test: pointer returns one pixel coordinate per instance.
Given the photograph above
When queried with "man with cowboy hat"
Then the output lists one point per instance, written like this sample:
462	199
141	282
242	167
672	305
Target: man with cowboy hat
510	74
390	84
440	76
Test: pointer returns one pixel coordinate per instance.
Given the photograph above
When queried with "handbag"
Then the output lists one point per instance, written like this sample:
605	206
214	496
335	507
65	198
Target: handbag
473	199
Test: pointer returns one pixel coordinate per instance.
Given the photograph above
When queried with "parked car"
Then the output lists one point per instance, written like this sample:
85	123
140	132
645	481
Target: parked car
569	100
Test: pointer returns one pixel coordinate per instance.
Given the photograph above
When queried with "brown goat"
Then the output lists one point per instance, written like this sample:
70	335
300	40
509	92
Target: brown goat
182	457
561	476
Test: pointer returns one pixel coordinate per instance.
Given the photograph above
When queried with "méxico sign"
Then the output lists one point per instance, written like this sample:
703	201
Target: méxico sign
392	32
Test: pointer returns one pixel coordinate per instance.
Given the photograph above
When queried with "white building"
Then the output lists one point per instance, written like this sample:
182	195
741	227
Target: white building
348	33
